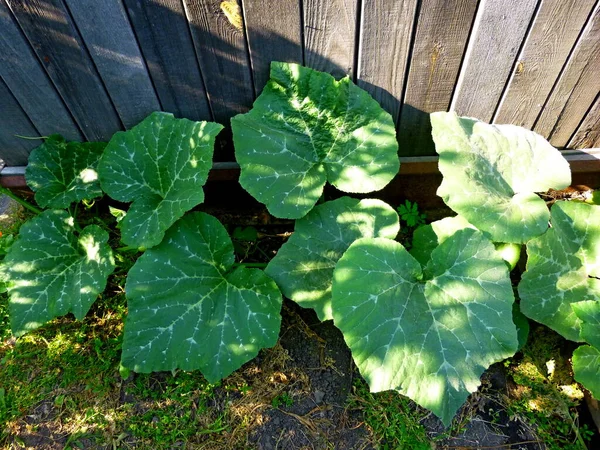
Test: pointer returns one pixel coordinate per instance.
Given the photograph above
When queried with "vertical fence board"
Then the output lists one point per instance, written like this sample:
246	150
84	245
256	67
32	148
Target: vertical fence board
386	31
105	29
440	41
52	33
588	133
165	41
14	150
223	56
274	34
329	35
29	83
499	30
576	89
556	27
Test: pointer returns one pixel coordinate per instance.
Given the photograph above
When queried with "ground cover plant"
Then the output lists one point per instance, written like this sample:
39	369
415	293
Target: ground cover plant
426	323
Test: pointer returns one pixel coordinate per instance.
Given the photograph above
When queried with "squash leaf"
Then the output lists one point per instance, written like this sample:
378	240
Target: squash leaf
61	172
190	309
303	267
160	165
491	174
586	359
306	128
52	270
562	268
431	332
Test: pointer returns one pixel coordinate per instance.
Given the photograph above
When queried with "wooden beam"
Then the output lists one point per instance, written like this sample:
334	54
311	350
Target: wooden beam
581	161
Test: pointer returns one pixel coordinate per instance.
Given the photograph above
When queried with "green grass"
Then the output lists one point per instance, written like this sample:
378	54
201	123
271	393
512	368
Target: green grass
394	420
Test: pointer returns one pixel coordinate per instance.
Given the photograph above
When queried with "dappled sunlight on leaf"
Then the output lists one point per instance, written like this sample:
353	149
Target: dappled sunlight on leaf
189	310
303	267
491	173
431	340
62	172
305	129
52	273
559	266
160	165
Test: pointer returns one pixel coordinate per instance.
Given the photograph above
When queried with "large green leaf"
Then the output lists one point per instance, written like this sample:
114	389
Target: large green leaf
429	333
303	267
561	265
586	368
190	309
61	172
589	314
306	128
427	237
161	165
52	270
491	173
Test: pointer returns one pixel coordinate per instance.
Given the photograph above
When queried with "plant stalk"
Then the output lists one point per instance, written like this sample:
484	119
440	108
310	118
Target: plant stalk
256	265
19	200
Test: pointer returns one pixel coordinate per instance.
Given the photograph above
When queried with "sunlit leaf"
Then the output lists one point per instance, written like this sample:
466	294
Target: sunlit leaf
491	173
160	165
61	172
427	237
586	368
189	308
306	128
561	268
53	270
429	332
303	267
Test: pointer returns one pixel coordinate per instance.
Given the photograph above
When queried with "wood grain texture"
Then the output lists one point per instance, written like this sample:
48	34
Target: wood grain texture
588	133
223	56
29	83
52	33
274	32
440	42
576	89
106	31
14	150
499	29
552	36
329	35
386	31
164	38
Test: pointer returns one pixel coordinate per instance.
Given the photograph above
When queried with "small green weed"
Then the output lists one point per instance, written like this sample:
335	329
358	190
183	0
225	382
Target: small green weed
409	213
392	418
283	399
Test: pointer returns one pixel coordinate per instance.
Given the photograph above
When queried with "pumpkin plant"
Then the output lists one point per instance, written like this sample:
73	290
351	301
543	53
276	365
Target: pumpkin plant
426	323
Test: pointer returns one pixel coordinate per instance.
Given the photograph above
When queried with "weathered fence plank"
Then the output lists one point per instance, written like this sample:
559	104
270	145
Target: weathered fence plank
14	150
274	32
29	83
440	41
576	88
385	34
556	27
588	133
499	29
329	35
165	41
50	29
223	56
106	31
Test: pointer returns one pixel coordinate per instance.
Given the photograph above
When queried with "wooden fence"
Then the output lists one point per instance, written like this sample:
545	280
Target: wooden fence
87	68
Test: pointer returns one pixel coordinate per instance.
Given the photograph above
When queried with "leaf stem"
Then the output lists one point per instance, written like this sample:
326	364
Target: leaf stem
32	138
19	200
128	248
256	265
